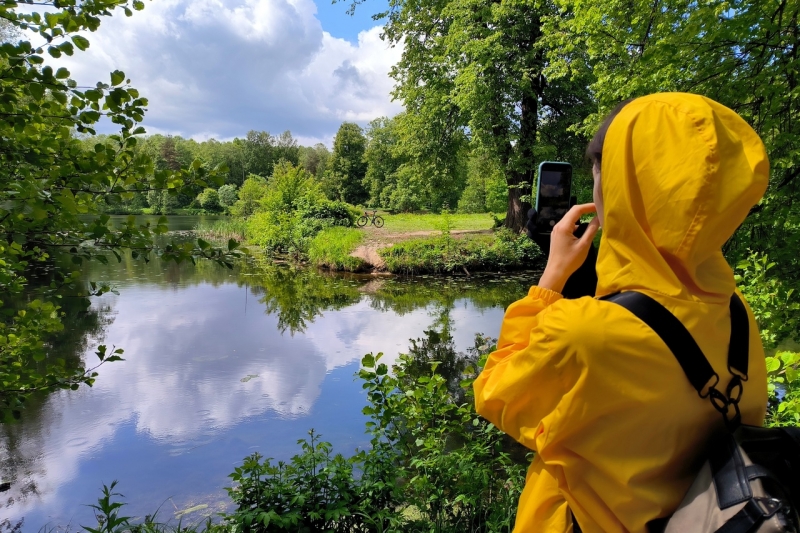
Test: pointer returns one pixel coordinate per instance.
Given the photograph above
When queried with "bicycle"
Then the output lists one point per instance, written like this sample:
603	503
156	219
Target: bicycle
376	219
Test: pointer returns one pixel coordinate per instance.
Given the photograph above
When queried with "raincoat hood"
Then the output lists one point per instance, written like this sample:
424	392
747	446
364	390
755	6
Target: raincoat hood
679	174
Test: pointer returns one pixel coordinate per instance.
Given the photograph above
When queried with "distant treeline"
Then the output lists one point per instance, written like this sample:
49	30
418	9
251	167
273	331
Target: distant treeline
367	167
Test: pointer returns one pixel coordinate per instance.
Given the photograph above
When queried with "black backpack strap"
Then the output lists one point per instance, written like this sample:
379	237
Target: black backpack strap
689	355
739	348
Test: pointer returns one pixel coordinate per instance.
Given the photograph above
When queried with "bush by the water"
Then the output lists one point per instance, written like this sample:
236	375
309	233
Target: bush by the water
331	248
502	250
291	210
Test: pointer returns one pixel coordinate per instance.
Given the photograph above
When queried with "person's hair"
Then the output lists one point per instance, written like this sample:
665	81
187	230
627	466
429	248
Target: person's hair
594	152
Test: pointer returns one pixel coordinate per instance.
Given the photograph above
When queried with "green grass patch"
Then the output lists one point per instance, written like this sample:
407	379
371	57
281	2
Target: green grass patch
503	250
404	223
331	248
223	229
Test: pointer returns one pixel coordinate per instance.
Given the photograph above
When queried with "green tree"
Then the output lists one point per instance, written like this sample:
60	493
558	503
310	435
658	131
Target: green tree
228	195
383	158
52	189
253	190
478	66
315	159
258	153
286	148
209	199
344	179
486	187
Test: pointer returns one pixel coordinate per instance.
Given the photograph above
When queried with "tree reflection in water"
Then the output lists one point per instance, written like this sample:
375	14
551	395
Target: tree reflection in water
295	296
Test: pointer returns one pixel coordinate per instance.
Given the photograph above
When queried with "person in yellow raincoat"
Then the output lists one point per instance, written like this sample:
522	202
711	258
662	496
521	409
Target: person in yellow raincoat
616	426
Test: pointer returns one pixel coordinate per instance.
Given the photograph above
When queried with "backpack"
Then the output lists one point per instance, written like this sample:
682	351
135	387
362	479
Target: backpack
750	481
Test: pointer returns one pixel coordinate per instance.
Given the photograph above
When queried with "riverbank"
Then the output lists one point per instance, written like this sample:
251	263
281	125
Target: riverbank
405	244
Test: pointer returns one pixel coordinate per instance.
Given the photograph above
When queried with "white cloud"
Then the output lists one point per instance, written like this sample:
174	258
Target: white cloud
214	68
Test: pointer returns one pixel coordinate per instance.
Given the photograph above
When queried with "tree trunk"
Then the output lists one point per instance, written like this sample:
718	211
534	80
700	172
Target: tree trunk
517	211
523	166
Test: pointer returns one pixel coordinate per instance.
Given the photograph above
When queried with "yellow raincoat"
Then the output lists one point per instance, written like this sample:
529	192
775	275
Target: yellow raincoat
614	421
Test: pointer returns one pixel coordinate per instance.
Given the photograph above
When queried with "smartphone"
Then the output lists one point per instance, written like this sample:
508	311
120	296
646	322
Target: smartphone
552	194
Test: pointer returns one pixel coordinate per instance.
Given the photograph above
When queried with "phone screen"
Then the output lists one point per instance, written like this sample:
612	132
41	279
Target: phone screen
552	199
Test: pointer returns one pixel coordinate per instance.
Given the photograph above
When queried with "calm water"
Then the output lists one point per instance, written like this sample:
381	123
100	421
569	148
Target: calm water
219	364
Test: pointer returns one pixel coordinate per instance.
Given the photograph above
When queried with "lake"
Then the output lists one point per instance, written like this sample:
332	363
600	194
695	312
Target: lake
218	364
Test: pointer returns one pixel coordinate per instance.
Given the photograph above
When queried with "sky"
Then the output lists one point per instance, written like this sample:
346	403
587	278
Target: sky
219	68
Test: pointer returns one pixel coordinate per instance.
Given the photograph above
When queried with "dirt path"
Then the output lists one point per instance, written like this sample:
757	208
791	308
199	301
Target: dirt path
377	239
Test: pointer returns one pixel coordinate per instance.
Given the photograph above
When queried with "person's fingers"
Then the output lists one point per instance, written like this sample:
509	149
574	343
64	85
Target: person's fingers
591	231
576	212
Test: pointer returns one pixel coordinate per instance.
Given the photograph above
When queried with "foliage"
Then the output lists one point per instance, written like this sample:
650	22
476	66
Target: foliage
433	464
331	248
252	191
486	189
776	307
315	159
289	186
777	312
292	211
313	492
477	66
504	250
344	177
784	389
228	195
209	199
53	185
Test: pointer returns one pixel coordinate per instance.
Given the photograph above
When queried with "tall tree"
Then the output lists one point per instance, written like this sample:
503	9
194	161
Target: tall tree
344	179
478	66
383	158
258	153
315	159
285	148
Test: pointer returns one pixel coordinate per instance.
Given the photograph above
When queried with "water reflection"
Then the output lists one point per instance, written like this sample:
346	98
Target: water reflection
219	363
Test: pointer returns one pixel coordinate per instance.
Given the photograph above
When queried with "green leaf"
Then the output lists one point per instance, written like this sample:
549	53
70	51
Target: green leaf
117	77
36	90
81	42
773	364
62	73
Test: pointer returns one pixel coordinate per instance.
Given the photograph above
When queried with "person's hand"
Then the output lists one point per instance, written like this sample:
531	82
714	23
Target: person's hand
568	252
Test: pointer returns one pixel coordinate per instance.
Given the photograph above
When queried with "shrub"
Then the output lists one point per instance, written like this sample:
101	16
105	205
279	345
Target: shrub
331	248
290	187
277	232
228	195
292	211
777	311
209	199
252	191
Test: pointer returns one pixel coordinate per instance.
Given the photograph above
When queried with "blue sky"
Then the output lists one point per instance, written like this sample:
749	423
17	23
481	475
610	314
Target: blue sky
335	20
219	68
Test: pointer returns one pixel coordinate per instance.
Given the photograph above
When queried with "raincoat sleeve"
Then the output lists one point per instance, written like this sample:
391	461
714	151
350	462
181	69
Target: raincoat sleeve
523	380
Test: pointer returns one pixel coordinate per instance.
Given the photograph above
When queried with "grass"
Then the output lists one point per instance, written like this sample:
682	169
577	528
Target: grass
331	249
500	251
223	229
406	223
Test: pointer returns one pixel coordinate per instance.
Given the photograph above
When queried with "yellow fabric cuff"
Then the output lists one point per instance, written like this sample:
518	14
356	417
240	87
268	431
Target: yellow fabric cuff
540	293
